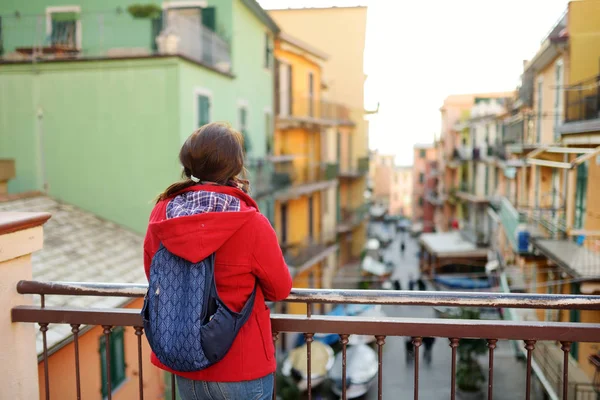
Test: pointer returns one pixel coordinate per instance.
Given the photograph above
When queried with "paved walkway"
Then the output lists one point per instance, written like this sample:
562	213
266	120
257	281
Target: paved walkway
509	374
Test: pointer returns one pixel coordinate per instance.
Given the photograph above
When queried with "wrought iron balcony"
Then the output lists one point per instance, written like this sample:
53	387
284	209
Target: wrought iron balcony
454	330
583	100
303	107
351	217
360	170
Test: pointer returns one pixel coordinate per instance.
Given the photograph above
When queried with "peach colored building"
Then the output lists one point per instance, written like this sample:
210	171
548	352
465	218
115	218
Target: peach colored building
381	171
422	211
401	191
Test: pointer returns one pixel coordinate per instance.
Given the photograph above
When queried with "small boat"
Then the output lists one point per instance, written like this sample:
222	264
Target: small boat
295	364
462	282
361	370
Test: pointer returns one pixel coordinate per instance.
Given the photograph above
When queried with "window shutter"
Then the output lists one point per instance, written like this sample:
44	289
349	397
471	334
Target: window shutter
104	380
209	18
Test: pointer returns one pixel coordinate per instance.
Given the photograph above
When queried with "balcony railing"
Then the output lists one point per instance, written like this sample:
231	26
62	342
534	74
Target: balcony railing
462	153
300	254
305	174
351	217
112	34
583	100
307	107
361	169
455	330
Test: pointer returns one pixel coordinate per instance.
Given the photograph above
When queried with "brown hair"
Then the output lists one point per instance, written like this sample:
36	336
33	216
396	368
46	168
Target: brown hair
213	153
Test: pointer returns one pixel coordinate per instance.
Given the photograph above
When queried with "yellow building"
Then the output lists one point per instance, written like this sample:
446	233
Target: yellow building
561	146
343	76
304	213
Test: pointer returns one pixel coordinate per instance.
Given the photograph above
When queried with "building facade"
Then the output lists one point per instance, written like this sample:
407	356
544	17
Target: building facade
144	90
343	77
424	182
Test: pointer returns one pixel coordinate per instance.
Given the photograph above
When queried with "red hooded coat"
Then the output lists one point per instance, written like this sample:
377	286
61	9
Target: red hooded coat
246	250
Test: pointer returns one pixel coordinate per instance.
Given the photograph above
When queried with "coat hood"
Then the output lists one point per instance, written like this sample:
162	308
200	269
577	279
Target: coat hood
200	219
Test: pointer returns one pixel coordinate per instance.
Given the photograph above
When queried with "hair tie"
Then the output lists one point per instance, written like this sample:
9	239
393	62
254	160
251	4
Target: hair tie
193	178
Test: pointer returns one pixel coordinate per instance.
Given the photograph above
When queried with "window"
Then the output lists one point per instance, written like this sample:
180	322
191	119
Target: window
243	125
63	26
203	100
311	93
284	221
311	222
422	153
269	132
420	201
421	177
117	360
558	98
268	51
540	88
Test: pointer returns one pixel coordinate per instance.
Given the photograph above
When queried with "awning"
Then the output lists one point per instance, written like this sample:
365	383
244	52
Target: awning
450	245
543	156
578	261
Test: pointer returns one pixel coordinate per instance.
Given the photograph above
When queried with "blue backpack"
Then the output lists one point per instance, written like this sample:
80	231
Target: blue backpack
187	325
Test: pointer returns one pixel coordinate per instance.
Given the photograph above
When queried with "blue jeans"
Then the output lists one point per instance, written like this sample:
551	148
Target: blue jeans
258	389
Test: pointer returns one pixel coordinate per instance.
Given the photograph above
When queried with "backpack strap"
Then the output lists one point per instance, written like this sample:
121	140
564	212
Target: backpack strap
249	306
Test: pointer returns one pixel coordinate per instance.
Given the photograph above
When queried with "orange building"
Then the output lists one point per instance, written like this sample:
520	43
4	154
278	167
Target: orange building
80	247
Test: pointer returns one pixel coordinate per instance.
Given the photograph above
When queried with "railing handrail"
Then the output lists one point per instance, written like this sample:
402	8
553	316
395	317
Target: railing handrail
387	326
348	296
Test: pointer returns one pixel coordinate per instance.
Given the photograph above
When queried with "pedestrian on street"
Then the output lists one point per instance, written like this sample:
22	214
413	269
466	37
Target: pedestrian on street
428	342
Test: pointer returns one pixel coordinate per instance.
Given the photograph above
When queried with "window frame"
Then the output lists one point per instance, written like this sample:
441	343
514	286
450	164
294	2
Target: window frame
243	104
65	9
201	91
269	130
268	52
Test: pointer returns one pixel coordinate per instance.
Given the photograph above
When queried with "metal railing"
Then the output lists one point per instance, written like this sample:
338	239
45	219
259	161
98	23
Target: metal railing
583	100
360	169
111	34
381	328
292	174
298	254
354	216
310	108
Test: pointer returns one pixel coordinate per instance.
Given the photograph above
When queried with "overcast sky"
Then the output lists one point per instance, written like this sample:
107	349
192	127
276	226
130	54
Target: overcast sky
418	52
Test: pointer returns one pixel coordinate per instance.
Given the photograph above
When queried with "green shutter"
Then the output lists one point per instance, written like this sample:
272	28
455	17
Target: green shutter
209	18
117	360
203	110
117	357
104	380
157	26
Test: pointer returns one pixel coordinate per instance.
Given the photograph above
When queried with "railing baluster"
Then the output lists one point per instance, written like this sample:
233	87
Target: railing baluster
173	388
44	329
491	346
453	345
309	339
75	330
529	346
139	331
380	343
417	343
275	337
107	331
344	340
566	348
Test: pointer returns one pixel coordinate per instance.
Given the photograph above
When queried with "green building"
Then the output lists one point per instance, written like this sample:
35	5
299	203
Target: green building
96	97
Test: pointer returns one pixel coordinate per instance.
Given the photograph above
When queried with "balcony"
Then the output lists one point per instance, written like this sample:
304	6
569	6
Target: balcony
360	170
302	255
264	181
301	179
352	217
529	334
462	154
582	107
301	108
113	33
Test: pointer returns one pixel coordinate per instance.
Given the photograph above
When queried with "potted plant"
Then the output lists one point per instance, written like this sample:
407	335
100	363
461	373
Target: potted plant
151	11
469	374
